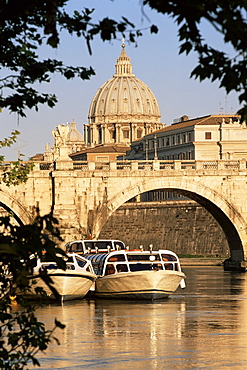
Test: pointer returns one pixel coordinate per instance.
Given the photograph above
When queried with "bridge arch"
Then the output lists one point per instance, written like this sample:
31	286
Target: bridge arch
12	205
230	220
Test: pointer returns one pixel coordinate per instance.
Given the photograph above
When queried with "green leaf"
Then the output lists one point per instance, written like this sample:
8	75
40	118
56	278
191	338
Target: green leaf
185	47
154	29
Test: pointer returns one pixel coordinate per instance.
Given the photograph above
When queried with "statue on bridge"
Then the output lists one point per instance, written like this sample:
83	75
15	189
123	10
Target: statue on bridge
60	135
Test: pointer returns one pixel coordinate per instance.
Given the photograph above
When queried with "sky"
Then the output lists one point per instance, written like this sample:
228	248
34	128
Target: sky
155	60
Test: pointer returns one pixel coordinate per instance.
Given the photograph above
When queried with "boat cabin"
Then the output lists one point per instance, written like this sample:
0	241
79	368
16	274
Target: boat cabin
132	261
94	246
73	262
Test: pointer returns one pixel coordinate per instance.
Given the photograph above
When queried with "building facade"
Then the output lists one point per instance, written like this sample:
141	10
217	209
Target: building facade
211	137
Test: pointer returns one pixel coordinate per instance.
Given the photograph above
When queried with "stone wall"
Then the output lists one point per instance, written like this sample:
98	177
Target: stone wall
184	227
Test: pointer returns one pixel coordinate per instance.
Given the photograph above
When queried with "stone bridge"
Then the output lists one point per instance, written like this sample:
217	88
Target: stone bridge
83	195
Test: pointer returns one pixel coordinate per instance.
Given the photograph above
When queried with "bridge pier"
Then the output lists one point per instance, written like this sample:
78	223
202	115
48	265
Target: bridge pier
238	266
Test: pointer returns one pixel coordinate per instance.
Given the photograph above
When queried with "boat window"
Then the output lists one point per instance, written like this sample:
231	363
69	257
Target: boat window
122	267
168	266
81	262
51	266
75	247
98	244
142	257
70	259
103	244
168	257
158	266
110	269
143	267
118	245
69	266
116	257
89	245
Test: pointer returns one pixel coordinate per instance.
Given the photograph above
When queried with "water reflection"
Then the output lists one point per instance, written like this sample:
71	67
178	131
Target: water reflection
202	327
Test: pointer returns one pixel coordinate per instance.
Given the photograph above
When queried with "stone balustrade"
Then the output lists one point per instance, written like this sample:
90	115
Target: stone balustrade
151	165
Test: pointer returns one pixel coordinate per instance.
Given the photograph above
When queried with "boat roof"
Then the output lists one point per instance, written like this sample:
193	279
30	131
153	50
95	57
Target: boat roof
101	245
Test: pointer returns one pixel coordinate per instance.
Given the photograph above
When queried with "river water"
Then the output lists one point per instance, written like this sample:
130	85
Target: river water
201	327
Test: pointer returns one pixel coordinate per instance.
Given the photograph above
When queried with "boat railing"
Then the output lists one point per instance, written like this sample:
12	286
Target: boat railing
119	266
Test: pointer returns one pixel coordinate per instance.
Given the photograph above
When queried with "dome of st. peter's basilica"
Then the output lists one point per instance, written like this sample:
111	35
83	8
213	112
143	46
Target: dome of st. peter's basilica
124	108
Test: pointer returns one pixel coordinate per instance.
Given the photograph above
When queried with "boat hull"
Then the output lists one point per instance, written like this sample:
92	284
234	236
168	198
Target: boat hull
139	285
69	284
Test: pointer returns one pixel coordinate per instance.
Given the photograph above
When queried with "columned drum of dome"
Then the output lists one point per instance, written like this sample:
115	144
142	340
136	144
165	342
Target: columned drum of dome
124	108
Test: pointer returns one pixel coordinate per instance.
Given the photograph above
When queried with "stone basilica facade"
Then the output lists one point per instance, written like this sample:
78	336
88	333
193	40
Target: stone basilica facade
123	109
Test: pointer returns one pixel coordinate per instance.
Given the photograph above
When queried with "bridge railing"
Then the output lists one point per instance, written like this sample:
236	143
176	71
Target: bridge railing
145	165
232	165
80	165
42	165
220	165
153	165
123	165
49	166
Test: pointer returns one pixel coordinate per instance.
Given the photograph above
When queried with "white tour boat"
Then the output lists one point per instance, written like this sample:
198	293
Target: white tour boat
136	274
72	283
